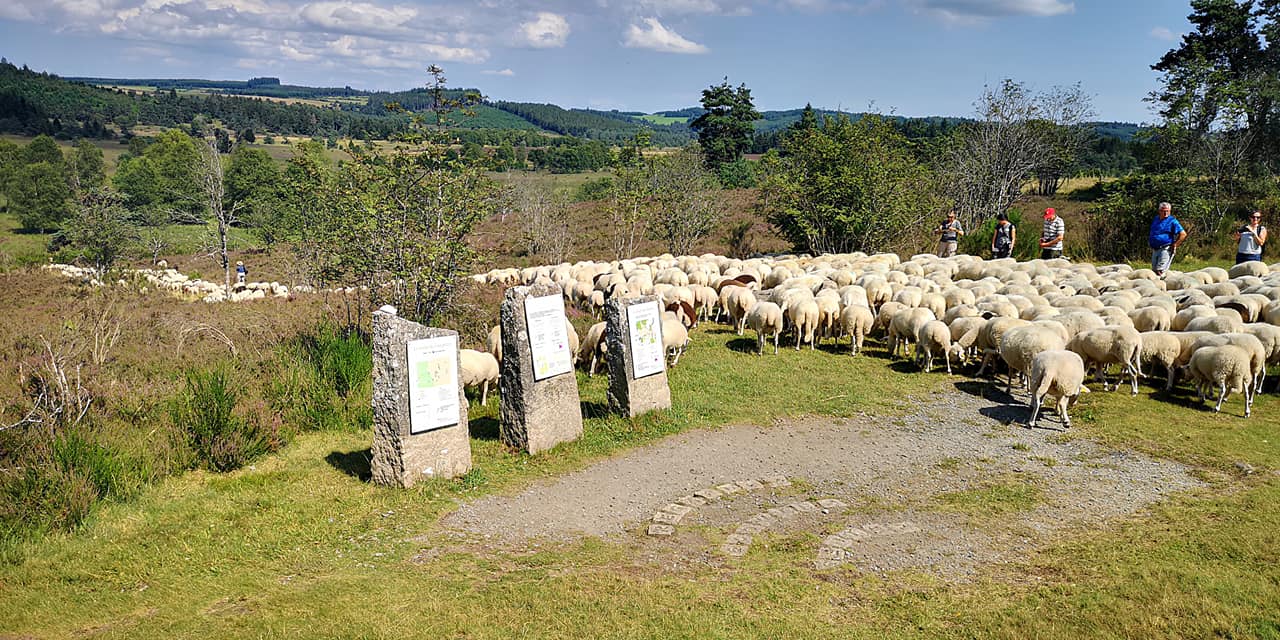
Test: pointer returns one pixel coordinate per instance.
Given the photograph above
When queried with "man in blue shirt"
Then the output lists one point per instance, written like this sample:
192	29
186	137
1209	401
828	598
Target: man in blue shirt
1165	236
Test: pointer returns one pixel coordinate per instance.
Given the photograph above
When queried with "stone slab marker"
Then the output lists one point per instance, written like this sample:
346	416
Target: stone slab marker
407	450
537	382
633	325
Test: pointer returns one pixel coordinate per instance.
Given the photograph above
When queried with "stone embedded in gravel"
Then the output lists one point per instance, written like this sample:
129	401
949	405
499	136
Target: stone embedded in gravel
677	509
735	550
776	482
691	501
750	485
782	512
661	530
831	503
667	518
737	538
762	519
728	488
749	529
708	494
830	554
838	542
804	507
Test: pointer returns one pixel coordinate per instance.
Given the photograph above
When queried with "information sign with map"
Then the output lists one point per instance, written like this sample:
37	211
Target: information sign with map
645	323
433	383
548	339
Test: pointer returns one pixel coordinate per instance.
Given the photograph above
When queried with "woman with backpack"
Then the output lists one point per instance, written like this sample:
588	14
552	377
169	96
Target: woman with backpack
1004	238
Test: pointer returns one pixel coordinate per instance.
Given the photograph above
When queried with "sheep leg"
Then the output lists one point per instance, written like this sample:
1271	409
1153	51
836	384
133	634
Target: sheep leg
1173	374
1222	395
484	393
1133	375
1036	398
759	343
1100	371
591	370
813	341
775	341
946	353
859	348
1062	411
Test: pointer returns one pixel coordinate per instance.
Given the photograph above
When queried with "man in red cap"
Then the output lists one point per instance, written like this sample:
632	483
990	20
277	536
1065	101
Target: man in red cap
1051	235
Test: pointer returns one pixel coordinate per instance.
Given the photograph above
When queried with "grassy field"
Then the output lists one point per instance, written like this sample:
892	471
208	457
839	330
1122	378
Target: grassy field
111	149
301	544
663	120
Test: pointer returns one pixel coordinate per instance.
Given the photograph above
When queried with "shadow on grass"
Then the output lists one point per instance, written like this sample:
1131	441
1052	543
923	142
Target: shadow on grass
592	409
747	345
485	428
353	463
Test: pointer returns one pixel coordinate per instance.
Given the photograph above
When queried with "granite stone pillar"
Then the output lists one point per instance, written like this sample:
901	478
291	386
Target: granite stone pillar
537	414
402	458
628	395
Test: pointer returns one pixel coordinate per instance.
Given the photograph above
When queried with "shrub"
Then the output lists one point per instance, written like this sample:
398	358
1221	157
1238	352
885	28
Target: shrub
978	241
595	189
324	380
206	412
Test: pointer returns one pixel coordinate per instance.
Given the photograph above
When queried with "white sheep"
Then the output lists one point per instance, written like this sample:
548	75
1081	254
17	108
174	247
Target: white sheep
739	301
1058	373
1110	345
933	338
804	317
594	347
1161	348
1020	345
494	343
675	338
1151	319
1246	341
1226	368
479	369
856	320
988	339
765	317
905	325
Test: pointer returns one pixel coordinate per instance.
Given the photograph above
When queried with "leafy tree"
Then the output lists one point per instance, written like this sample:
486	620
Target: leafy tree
725	129
846	186
1018	134
253	186
685	200
88	165
247	136
100	229
43	149
40	196
161	185
628	194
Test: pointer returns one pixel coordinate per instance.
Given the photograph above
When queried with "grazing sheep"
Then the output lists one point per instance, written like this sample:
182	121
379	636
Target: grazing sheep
675	337
804	317
1246	341
1185	315
1151	319
1224	367
479	369
988	342
572	335
904	326
885	315
828	315
856	320
933	338
1019	346
1161	348
1058	373
765	317
593	347
740	301
494	342
1110	345
1269	336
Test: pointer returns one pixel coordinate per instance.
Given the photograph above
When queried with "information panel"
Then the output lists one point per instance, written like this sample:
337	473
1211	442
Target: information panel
645	323
548	340
433	383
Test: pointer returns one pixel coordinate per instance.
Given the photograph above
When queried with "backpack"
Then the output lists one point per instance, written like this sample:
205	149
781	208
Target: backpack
1004	237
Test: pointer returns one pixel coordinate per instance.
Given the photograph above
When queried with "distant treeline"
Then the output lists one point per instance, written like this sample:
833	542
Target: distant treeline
34	103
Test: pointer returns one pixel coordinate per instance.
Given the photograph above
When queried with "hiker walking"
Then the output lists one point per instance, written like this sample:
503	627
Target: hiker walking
1165	236
241	272
1005	236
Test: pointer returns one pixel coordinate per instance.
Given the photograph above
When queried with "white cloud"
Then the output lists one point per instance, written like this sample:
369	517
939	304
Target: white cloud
982	10
653	35
499	72
357	17
1163	33
546	31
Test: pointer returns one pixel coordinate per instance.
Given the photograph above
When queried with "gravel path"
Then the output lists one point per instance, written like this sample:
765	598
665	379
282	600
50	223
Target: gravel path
889	473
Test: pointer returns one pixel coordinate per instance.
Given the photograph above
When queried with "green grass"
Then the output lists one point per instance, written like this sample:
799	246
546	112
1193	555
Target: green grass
663	120
992	499
299	545
17	247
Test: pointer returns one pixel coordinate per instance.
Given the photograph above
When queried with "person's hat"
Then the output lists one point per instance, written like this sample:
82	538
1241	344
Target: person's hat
1049	212
239	264
1002	216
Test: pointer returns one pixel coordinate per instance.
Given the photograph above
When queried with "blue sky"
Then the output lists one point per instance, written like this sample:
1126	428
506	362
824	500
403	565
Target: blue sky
911	57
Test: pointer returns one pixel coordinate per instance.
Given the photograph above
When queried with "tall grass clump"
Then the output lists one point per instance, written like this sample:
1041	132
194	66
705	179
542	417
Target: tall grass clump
220	438
325	380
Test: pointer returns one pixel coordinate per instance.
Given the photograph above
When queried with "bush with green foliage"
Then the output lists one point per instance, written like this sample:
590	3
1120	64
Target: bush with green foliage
324	380
221	439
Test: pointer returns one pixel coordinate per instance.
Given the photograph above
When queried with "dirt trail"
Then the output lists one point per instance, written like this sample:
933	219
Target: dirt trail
886	474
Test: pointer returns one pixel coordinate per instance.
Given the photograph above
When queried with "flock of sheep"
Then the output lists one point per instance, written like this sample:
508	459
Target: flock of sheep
1049	323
